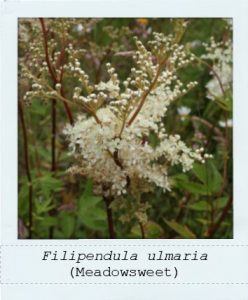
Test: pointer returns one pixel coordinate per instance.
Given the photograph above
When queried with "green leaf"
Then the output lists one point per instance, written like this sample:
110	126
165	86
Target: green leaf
200	172
48	184
43	206
210	110
152	230
203	205
199	206
88	189
89	211
225	103
88	202
93	218
67	224
204	222
38	108
221	202
49	221
208	175
88	199
182	230
182	182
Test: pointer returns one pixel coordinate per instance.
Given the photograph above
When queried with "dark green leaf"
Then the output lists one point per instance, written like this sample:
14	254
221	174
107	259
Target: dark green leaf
182	230
152	230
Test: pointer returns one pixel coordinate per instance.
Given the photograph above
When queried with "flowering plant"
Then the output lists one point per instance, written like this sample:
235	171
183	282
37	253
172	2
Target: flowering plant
119	139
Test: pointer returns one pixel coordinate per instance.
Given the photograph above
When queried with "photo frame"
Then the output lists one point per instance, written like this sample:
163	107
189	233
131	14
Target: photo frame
213	268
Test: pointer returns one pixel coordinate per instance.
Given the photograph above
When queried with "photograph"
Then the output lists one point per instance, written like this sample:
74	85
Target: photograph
125	128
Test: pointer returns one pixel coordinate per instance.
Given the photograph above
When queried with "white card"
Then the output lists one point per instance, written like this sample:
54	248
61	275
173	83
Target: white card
123	150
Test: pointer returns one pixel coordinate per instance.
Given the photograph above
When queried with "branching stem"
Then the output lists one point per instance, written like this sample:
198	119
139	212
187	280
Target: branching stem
146	93
51	69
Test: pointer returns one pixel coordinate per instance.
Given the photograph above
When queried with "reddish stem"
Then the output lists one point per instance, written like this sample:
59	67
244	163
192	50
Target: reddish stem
146	93
49	65
51	69
212	230
142	230
110	217
28	173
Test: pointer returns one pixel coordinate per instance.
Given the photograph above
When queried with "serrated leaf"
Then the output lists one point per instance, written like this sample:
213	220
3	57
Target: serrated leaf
88	202
67	224
48	184
94	219
182	230
203	205
152	230
89	212
182	182
208	175
199	206
43	205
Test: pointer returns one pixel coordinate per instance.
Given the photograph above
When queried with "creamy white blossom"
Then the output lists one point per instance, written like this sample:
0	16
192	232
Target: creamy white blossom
115	149
221	56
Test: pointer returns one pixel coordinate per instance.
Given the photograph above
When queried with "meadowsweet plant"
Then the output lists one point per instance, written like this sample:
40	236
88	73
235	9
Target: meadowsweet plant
113	147
220	53
115	144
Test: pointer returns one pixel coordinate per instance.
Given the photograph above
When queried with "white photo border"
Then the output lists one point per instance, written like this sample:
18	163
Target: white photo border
10	12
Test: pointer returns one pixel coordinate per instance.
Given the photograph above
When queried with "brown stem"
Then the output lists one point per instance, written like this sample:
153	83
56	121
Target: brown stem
53	139
183	205
53	155
209	125
28	173
142	230
67	108
109	217
116	159
53	110
51	69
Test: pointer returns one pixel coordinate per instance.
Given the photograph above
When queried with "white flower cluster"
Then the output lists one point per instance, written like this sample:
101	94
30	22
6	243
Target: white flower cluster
221	56
116	149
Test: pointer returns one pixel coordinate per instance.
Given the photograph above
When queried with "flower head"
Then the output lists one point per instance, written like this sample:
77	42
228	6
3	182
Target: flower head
117	152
